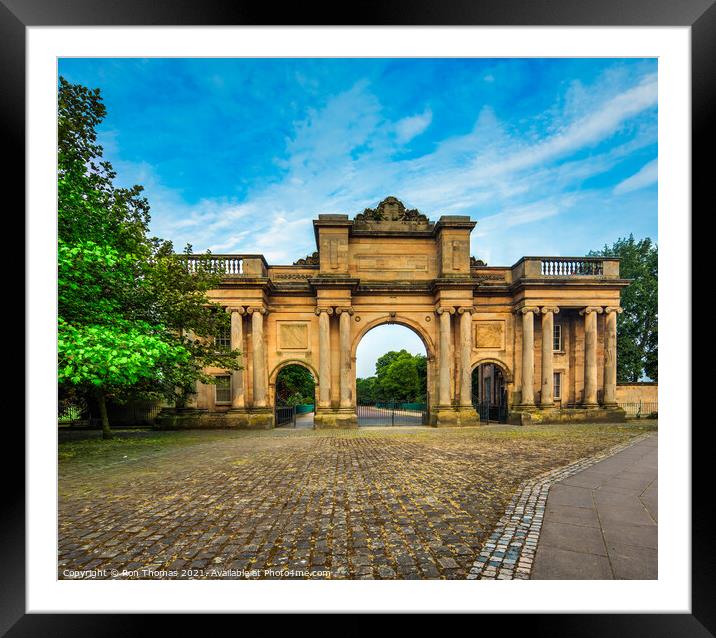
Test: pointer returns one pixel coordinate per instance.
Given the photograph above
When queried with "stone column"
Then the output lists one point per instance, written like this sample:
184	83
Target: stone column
259	360
610	356
590	355
345	355
528	356
465	355
444	356
324	357
430	390
547	399
238	398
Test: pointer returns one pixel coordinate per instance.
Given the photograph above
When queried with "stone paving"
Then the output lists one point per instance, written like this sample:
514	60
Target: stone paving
587	536
602	522
376	503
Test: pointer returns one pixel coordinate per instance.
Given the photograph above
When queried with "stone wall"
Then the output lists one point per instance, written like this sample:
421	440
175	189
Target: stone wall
635	392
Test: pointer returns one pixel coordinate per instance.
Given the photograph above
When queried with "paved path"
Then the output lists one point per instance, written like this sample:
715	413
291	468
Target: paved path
304	420
363	503
601	523
369	416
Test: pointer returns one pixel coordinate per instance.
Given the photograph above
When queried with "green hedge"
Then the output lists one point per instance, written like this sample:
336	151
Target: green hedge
305	408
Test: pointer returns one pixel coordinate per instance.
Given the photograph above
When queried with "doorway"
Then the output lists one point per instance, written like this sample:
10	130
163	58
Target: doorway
489	393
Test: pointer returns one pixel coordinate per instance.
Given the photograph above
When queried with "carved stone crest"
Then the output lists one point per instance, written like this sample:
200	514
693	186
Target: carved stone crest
391	209
308	260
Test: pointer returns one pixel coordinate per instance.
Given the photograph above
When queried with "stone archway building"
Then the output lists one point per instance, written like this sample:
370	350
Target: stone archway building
549	321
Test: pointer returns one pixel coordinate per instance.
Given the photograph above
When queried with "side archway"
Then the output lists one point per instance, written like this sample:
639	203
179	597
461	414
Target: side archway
273	376
491	379
499	363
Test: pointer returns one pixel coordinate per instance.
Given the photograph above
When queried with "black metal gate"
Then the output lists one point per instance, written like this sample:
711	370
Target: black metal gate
491	412
392	413
286	416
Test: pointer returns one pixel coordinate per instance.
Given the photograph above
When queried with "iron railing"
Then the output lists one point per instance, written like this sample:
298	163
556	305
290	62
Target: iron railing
128	415
640	409
490	412
495	412
285	415
392	413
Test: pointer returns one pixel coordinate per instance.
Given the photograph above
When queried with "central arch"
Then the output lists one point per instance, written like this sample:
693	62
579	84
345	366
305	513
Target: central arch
401	413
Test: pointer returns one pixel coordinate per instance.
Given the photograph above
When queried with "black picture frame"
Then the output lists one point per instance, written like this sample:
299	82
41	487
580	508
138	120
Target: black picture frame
16	15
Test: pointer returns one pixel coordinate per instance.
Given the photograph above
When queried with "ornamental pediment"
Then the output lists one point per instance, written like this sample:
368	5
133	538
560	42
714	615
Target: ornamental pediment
391	214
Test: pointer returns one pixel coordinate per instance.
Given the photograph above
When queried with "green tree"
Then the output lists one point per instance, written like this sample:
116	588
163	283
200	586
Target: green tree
383	362
399	376
366	390
421	367
638	324
295	386
133	320
398	381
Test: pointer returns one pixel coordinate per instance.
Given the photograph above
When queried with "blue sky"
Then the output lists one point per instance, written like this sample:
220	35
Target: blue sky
549	156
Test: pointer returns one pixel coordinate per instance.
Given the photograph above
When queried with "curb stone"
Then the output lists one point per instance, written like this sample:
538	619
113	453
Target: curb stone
508	553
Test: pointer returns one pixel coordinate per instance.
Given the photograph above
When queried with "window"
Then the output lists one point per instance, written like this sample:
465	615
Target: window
223	389
223	339
557	338
557	385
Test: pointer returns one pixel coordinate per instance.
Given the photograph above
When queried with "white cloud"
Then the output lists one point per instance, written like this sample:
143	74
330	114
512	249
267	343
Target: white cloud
410	127
516	216
586	130
342	158
646	176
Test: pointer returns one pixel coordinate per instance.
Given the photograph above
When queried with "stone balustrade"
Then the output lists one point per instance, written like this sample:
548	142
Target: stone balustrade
237	265
565	267
561	267
230	265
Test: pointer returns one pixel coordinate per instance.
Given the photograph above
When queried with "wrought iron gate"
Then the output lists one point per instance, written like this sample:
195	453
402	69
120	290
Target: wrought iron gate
491	412
392	413
286	416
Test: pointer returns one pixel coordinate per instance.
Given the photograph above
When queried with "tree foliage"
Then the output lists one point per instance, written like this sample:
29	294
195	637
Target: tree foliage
638	324
295	386
133	321
399	376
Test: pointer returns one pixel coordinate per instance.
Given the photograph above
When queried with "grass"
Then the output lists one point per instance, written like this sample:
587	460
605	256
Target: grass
131	442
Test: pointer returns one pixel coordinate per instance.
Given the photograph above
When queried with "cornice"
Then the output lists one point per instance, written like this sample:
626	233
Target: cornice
334	282
445	283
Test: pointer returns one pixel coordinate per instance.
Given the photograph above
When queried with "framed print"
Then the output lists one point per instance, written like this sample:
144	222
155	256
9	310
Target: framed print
359	318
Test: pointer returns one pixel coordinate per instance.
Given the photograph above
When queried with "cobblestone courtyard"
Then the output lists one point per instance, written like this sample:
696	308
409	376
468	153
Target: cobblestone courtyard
369	503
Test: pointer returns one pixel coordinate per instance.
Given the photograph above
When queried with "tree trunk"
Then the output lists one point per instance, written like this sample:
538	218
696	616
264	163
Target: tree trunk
106	432
180	400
